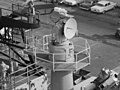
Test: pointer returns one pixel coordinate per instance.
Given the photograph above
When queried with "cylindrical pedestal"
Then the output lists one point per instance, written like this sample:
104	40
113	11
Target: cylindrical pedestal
64	52
61	80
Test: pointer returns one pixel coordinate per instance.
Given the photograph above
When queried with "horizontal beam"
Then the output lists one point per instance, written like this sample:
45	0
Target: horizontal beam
13	59
10	22
10	44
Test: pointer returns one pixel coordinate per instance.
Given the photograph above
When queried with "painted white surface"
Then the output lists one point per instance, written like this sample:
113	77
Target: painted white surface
40	83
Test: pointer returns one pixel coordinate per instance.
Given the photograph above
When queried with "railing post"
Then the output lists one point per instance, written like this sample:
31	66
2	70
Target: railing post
89	54
86	47
88	50
27	74
76	60
28	77
12	7
2	83
18	6
26	44
35	50
43	42
14	81
0	12
53	60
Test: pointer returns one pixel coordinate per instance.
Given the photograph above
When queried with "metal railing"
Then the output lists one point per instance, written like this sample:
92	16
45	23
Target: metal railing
81	57
21	76
23	11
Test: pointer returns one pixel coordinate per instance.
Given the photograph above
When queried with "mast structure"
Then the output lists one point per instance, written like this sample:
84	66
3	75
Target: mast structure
59	54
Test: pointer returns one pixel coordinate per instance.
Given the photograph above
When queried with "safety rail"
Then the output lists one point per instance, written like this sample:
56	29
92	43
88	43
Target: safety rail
81	60
23	11
16	7
21	76
41	44
81	54
7	12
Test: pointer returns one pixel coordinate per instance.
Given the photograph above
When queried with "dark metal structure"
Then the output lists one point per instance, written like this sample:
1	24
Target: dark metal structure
15	24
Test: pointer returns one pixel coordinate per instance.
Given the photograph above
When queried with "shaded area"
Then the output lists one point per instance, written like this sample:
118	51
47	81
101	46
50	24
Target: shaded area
80	74
44	6
43	56
9	22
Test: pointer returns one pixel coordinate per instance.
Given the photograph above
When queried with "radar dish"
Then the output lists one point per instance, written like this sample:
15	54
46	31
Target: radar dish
70	28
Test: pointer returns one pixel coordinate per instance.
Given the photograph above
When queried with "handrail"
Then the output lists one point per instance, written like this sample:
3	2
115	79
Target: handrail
23	79
11	11
26	78
23	6
28	75
82	51
26	68
82	59
84	48
18	5
5	9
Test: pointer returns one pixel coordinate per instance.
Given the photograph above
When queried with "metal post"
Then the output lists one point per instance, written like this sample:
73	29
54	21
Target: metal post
43	42
18	6
45	9
89	54
53	61
0	12
35	49
27	75
86	47
12	7
14	81
76	60
2	83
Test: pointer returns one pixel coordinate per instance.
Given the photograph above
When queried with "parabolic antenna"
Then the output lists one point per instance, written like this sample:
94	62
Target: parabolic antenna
70	28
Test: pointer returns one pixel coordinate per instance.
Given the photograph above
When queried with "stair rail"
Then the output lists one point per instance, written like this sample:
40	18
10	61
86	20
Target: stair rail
22	76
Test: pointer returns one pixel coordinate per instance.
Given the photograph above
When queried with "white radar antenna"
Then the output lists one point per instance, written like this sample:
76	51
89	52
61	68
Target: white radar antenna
66	30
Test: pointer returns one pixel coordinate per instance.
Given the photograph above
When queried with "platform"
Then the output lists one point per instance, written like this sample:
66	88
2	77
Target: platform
41	53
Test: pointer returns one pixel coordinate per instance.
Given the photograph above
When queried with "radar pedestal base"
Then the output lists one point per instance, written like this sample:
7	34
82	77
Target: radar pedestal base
61	80
63	52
